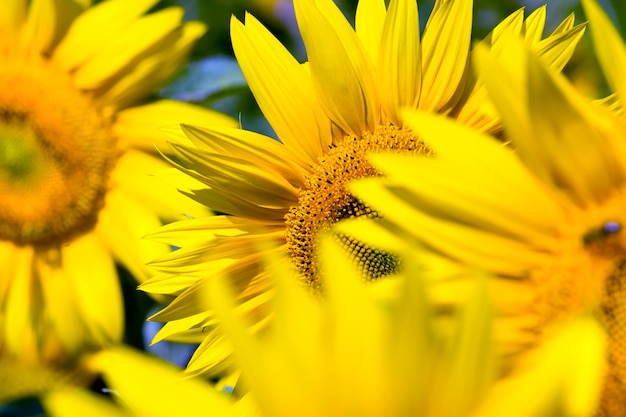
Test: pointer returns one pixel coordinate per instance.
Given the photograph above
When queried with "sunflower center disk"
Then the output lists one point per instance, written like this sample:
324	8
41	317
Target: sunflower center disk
325	200
55	155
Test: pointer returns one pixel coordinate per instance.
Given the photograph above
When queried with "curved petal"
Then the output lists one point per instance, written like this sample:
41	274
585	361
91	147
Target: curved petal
92	273
534	24
342	72
123	51
369	22
20	307
445	51
139	127
11	19
92	30
154	70
123	223
47	22
137	174
283	89
608	46
399	61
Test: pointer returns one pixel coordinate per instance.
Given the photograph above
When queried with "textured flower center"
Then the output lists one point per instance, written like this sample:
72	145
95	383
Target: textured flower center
325	201
594	277
608	241
55	155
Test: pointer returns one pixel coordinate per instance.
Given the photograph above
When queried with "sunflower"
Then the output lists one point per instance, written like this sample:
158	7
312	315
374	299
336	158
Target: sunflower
328	113
547	218
75	151
355	353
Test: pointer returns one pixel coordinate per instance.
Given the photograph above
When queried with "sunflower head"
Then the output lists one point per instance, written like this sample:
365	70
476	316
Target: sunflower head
328	114
75	194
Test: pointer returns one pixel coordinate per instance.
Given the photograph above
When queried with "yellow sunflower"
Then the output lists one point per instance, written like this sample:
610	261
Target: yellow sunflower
355	353
75	151
546	218
328	113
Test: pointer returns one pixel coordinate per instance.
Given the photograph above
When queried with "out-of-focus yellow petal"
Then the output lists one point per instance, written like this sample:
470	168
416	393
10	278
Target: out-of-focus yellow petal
139	127
99	297
19	309
123	224
154	384
566	390
608	46
154	70
122	52
47	21
94	29
80	403
150	190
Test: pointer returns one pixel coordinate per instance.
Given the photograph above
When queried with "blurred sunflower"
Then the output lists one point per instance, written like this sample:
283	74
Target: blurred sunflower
75	151
547	219
357	354
328	113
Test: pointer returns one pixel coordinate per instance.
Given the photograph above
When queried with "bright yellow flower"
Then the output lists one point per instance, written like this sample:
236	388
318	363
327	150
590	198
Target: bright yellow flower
547	219
328	113
74	156
357	354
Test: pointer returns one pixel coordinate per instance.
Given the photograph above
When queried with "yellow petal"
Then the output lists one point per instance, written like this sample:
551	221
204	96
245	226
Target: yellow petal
11	19
565	25
399	61
79	403
557	50
505	88
445	50
238	177
122	52
609	47
20	308
283	90
139	126
95	28
172	330
64	317
153	385
47	21
454	143
257	149
576	171
534	24
512	24
566	390
466	244
92	270
123	223
369	22
153	71
212	357
342	73
136	173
